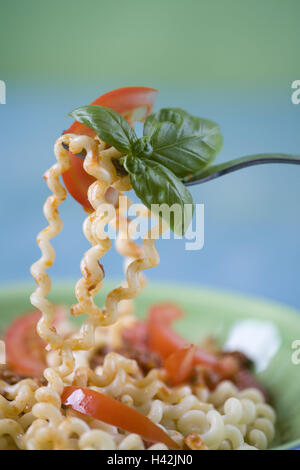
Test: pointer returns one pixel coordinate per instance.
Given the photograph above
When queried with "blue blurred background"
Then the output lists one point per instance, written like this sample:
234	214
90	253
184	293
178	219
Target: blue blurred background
229	61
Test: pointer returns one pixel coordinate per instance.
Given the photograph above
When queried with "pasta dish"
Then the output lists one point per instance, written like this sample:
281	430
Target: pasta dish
119	382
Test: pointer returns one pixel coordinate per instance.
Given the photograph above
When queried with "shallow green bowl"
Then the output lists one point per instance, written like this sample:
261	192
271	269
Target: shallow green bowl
267	328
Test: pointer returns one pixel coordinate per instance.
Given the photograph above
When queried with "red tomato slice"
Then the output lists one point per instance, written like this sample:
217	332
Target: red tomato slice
165	313
157	335
180	364
25	350
162	339
134	103
111	411
165	341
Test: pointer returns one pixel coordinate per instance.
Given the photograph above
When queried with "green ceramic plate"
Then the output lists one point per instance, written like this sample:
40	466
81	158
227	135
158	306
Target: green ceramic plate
265	329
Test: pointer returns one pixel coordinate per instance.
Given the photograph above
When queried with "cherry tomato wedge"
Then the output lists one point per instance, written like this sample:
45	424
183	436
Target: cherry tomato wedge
180	364
25	350
162	339
134	103
157	335
165	341
110	411
164	313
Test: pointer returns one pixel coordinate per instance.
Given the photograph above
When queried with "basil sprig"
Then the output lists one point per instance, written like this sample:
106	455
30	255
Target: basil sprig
175	145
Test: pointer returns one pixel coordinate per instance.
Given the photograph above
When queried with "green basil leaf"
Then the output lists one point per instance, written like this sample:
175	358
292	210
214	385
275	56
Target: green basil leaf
183	143
108	124
155	184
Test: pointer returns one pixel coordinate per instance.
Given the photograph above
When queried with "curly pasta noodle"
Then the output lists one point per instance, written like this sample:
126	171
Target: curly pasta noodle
31	416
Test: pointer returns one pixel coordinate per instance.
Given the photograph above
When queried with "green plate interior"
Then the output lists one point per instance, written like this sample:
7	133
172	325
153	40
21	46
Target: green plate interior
208	312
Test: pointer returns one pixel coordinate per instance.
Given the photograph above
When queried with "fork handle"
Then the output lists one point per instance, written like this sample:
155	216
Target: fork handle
215	171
